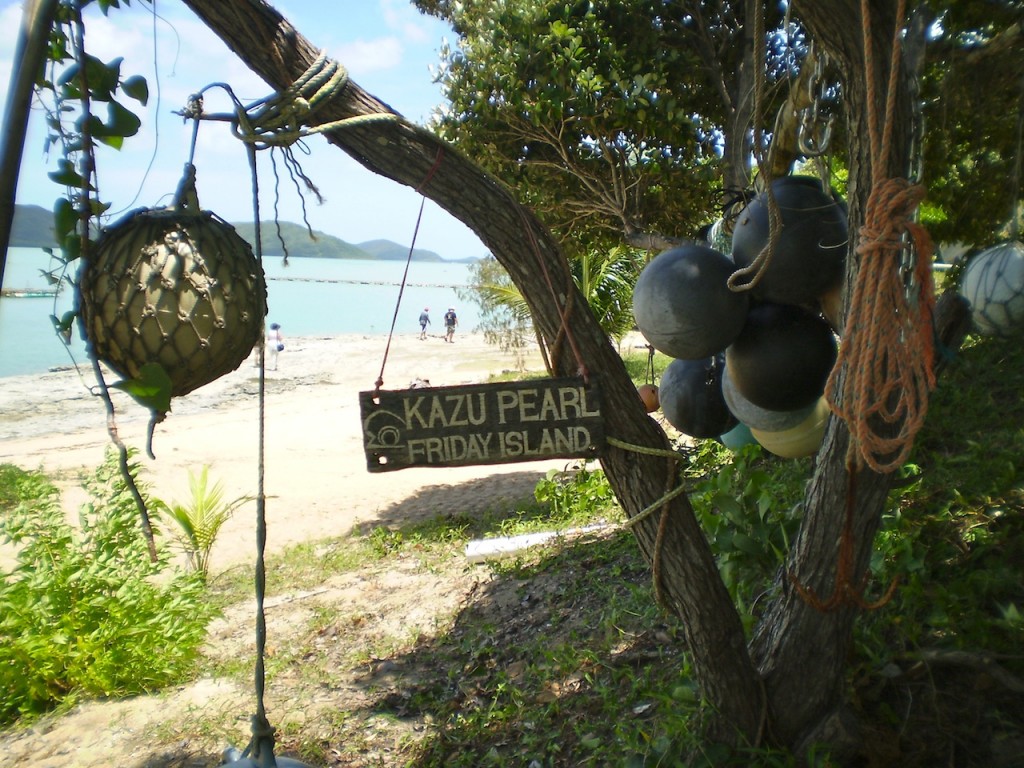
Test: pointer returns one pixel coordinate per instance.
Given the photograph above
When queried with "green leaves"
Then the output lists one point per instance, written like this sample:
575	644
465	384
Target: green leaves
201	519
606	279
101	79
586	108
83	610
64	324
121	123
137	88
747	504
83	96
65	218
66	175
152	388
578	493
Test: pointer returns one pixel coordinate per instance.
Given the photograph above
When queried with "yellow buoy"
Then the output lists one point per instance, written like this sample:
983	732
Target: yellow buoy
801	440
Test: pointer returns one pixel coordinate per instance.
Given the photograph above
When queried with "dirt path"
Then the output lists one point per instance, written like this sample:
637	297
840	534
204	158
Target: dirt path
317	487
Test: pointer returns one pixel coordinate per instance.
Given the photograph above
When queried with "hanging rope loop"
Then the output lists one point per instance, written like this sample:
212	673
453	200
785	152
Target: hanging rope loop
282	118
747	278
888	345
286	117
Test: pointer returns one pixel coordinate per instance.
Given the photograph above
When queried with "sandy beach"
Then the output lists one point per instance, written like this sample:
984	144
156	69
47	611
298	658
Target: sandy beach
316	481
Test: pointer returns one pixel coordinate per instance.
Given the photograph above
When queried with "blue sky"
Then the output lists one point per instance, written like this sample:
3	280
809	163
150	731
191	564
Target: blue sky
388	49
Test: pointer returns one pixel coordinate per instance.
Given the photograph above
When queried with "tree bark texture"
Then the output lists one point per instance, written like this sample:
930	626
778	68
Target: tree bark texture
410	155
801	649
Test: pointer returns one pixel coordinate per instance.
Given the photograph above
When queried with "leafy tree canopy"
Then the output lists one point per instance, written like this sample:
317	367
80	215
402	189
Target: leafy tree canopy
629	118
972	105
601	111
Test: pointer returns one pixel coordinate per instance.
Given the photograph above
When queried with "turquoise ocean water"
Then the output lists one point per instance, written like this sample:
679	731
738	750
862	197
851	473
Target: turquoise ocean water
309	297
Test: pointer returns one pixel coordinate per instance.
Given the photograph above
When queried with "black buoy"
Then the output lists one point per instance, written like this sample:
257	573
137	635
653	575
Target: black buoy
756	417
782	357
810	253
691	397
683	305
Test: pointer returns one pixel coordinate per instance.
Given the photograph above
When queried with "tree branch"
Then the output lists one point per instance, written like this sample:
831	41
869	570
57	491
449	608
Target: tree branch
412	156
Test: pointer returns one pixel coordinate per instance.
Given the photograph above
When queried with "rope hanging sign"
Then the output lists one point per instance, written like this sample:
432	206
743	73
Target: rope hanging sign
495	423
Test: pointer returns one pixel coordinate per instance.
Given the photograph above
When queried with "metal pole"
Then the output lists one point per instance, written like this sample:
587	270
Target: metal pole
33	40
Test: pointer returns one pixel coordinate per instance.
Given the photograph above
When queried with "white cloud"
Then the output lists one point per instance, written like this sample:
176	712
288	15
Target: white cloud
362	57
381	53
405	19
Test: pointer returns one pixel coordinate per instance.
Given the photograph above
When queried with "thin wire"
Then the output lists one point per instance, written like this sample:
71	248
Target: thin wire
261	730
401	289
1015	189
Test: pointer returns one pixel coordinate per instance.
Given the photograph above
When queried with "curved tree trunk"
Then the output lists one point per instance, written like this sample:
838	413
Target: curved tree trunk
689	581
793	674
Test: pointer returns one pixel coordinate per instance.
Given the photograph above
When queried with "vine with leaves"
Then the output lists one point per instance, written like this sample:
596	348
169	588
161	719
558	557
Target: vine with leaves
72	86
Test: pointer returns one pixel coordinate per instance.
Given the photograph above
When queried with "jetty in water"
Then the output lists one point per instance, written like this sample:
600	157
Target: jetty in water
345	281
41	293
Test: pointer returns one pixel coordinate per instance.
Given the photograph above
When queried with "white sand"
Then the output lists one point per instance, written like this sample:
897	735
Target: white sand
316	479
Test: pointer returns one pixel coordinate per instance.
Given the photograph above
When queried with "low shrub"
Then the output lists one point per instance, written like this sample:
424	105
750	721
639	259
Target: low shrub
85	611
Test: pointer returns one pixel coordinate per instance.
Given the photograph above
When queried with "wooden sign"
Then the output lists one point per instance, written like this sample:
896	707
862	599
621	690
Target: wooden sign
481	424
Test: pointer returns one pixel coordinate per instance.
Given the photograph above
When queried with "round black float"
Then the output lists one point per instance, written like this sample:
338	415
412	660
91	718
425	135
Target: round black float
782	357
811	250
683	306
691	397
756	417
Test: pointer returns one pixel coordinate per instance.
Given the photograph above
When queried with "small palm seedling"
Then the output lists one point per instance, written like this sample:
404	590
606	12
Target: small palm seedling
202	518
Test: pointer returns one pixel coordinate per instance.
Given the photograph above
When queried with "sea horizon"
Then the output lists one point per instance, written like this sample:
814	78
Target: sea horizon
308	297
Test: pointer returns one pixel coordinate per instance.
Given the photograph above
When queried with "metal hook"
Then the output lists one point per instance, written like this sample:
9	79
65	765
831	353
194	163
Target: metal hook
812	139
809	143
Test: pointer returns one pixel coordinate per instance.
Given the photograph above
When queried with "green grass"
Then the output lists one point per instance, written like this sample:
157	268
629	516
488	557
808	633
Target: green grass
559	656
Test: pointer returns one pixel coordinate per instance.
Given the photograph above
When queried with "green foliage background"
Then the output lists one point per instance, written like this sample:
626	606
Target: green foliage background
85	612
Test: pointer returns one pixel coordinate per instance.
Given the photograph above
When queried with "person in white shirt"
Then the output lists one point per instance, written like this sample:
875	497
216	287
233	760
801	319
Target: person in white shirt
275	344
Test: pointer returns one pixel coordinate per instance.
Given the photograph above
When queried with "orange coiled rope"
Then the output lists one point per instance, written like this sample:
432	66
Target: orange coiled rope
888	344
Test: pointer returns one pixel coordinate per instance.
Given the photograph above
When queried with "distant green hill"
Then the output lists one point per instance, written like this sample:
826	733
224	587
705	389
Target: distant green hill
32	227
298	242
389	251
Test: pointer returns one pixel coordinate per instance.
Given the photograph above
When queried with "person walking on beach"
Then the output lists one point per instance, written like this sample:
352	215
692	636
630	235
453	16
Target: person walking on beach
424	322
450	321
275	344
